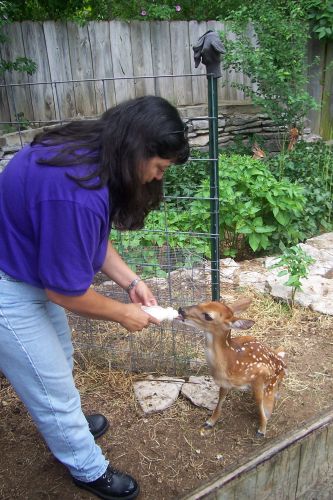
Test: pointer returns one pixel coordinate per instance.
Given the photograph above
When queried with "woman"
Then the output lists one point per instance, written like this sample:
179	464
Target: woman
59	198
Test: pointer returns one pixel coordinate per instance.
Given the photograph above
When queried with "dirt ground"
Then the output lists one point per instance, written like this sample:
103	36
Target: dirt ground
165	451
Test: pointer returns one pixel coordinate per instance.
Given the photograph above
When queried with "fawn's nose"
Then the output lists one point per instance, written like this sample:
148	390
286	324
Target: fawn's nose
181	312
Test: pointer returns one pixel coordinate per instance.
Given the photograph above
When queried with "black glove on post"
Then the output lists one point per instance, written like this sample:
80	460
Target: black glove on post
208	50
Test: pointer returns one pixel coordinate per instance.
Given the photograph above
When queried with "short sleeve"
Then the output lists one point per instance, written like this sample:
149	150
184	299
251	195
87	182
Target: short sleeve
71	242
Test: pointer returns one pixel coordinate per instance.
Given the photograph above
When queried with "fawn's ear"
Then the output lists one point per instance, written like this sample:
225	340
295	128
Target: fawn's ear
240	305
241	324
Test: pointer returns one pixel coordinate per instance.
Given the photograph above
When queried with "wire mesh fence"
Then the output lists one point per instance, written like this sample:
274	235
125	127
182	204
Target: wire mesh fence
177	253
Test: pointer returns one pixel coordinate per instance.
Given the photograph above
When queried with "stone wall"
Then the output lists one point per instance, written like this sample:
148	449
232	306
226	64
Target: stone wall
236	121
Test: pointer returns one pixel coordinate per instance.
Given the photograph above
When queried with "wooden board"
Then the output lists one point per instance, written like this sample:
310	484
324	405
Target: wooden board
296	466
199	83
180	51
42	99
56	39
100	43
19	97
162	59
120	35
142	58
82	69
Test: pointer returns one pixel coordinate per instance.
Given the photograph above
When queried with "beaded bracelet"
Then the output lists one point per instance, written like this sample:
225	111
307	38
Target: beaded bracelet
133	284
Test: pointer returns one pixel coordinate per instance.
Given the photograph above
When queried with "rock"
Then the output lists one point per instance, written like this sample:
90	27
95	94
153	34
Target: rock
323	242
311	138
201	140
253	278
200	124
201	391
157	394
228	269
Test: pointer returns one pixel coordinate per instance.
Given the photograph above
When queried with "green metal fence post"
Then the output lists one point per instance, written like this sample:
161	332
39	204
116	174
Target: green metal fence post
208	50
214	185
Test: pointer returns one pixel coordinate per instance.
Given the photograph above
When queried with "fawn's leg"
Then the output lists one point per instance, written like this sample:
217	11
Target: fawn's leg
258	392
209	424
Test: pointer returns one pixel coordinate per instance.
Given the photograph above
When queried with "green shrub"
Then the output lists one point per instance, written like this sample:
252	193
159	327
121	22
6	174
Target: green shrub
184	180
256	211
295	262
272	58
255	207
311	166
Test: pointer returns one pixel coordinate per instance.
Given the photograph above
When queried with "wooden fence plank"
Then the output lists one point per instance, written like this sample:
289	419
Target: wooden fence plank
306	450
245	487
99	36
41	95
326	126
128	50
234	77
316	49
19	98
264	480
122	60
81	64
56	39
309	463
161	58
142	58
283	481
180	53
199	84
4	105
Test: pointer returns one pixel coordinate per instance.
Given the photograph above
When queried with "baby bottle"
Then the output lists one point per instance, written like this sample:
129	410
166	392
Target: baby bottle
161	313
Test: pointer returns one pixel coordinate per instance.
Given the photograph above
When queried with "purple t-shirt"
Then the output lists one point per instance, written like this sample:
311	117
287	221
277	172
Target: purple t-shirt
53	233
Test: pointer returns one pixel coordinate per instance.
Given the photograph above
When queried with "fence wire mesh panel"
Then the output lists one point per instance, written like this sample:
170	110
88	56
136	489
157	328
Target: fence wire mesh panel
176	253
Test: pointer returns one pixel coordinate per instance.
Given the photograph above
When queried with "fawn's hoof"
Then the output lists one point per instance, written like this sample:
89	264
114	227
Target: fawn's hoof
260	434
206	429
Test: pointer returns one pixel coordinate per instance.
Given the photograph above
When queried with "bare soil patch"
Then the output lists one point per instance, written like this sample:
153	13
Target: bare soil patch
165	451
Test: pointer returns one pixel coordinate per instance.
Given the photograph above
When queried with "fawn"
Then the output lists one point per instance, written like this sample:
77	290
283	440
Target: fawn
258	153
241	363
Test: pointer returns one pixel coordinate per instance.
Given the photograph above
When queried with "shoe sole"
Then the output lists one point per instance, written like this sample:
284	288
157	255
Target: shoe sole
108	497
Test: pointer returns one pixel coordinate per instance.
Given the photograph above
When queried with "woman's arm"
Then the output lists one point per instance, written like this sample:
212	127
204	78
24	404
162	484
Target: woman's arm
118	271
96	306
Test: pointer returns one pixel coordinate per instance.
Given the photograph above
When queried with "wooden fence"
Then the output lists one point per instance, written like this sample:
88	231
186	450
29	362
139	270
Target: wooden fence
82	70
296	467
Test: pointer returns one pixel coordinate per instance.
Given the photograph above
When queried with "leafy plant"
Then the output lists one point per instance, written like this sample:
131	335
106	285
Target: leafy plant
21	64
274	62
321	17
311	166
182	181
295	262
168	236
255	208
86	10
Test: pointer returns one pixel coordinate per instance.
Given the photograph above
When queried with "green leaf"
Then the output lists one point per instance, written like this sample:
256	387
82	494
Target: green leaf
254	242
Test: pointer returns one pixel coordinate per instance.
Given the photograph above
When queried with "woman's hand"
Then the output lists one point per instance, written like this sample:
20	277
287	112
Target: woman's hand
142	294
96	306
135	319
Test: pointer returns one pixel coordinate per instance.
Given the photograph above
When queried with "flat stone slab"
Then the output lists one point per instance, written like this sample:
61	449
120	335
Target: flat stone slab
201	391
157	393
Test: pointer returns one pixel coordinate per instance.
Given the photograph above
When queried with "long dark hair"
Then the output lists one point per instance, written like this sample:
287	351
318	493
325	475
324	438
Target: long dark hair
116	144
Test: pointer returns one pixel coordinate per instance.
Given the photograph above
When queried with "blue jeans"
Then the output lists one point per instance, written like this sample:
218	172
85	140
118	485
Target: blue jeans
36	356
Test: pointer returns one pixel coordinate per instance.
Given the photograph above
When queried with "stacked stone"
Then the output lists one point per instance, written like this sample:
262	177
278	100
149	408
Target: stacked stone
236	122
238	127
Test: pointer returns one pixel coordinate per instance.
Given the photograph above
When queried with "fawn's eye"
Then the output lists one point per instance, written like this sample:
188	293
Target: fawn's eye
208	317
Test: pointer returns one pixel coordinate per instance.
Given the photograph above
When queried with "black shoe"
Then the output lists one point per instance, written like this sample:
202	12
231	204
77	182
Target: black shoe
98	424
112	485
